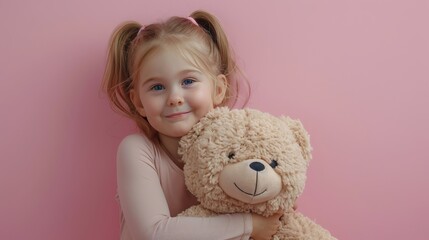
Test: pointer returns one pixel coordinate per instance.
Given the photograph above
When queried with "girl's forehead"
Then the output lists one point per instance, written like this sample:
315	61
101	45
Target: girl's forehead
167	58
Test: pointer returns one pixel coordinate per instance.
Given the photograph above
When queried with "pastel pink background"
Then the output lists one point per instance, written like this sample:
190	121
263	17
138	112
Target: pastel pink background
355	72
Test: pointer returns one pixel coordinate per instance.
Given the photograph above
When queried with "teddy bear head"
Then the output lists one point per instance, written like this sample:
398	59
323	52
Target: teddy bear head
244	160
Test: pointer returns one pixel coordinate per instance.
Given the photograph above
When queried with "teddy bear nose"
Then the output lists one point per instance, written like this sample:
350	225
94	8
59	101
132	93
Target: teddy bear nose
257	166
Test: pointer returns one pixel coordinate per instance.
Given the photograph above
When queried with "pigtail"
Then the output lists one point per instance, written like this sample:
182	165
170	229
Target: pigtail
211	25
228	66
117	79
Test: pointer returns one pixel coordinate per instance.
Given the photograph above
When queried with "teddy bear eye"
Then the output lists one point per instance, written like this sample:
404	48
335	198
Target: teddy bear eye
274	163
231	155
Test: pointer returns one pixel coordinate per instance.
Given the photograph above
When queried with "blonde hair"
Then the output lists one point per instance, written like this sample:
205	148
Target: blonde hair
130	44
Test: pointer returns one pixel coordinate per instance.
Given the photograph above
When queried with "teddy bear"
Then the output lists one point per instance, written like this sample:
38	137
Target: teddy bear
248	161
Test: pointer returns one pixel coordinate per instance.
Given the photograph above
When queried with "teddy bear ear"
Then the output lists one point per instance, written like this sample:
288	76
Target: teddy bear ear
189	139
301	136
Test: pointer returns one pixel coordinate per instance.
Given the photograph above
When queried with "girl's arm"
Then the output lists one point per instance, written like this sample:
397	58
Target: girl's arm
145	208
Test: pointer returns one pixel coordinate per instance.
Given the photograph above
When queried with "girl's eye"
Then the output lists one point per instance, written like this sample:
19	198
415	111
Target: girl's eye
157	87
188	81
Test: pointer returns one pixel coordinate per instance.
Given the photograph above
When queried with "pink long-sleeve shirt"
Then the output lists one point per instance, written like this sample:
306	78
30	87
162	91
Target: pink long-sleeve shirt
152	191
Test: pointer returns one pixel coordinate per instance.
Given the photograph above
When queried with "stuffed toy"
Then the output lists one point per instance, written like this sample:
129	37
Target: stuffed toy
247	161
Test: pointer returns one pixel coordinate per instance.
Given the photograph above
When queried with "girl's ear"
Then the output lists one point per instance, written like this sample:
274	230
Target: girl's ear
137	103
220	89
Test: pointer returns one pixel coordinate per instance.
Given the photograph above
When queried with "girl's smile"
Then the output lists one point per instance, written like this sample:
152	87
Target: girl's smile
178	115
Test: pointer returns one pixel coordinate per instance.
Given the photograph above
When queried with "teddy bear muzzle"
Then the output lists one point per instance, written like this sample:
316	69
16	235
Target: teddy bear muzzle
251	181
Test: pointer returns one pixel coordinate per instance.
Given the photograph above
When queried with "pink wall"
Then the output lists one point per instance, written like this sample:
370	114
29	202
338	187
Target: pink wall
355	72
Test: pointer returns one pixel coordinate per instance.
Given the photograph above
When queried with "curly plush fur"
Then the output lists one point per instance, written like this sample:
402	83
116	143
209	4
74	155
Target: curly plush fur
249	161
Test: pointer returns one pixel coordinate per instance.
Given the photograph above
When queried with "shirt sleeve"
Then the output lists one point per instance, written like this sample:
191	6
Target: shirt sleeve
145	207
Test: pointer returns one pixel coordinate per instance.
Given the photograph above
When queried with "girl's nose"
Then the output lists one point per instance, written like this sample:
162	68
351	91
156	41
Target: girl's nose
175	99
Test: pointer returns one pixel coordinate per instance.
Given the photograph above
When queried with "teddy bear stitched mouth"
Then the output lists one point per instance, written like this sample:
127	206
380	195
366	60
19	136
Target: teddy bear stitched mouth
256	187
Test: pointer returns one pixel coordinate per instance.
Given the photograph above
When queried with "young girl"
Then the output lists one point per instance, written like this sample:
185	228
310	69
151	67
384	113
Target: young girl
166	76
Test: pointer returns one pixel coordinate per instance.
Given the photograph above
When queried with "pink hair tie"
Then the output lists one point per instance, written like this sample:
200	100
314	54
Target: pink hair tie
192	20
140	30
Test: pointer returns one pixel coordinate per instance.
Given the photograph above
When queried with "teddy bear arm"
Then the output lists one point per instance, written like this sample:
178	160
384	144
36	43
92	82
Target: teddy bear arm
197	211
296	226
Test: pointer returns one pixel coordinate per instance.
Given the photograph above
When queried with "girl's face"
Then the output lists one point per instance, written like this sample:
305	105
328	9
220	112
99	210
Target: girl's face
173	94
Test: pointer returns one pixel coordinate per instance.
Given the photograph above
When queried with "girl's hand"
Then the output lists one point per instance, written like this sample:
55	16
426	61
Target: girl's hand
265	227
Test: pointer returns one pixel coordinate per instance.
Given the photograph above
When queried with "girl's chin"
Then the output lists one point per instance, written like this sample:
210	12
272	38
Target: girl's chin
177	134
